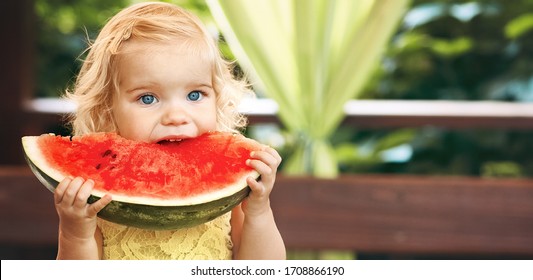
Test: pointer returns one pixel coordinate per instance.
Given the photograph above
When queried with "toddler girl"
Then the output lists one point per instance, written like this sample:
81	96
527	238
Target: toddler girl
155	74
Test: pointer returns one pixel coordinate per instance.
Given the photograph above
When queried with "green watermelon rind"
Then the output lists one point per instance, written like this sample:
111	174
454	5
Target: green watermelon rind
152	216
155	217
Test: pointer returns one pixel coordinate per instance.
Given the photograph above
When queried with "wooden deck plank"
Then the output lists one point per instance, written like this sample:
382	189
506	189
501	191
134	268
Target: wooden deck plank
406	214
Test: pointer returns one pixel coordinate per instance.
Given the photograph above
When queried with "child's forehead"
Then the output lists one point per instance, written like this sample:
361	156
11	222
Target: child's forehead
149	51
136	45
182	45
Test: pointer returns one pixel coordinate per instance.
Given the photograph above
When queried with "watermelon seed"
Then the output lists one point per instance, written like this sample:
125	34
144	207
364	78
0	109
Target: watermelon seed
98	166
106	153
114	156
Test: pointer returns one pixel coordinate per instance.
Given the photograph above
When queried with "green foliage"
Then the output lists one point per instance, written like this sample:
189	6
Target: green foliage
451	48
459	50
365	153
501	169
519	26
63	29
455	50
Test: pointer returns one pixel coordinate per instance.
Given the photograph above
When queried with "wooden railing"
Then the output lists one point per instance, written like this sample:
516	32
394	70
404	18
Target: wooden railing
407	214
409	113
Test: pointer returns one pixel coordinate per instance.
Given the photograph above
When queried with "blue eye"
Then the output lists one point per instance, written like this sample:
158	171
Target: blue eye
147	99
194	96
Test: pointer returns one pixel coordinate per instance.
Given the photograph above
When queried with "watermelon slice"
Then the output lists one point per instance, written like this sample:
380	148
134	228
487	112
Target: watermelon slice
154	186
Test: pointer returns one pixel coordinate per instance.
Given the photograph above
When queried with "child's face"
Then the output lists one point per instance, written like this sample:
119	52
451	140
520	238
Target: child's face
165	94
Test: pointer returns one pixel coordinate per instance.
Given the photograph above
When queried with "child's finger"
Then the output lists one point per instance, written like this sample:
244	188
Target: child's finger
271	151
99	205
274	153
260	166
72	191
266	158
60	190
83	193
256	187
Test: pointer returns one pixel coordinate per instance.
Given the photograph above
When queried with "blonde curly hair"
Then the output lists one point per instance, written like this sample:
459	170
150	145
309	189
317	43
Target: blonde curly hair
97	80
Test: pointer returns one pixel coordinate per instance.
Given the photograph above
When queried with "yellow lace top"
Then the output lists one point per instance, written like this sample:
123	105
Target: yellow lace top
209	241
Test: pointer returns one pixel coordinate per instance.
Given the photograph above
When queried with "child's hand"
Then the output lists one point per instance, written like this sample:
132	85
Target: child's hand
77	218
265	162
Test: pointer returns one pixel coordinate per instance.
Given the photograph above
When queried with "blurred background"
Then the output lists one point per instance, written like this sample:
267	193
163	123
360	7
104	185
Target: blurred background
440	50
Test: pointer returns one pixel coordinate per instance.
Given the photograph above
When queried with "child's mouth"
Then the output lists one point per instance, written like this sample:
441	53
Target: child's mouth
169	141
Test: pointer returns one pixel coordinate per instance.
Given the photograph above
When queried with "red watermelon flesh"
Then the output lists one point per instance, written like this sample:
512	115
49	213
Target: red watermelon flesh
187	172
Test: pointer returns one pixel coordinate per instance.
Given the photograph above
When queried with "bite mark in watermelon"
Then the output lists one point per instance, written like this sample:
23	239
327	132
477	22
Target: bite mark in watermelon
154	186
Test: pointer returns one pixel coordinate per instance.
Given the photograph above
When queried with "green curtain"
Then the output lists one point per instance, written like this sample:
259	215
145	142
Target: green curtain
310	56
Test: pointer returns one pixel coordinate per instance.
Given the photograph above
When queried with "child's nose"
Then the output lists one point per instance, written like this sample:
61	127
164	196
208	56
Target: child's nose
174	115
